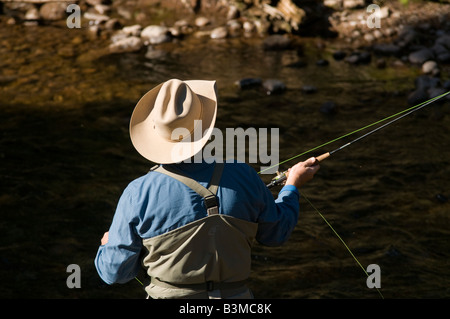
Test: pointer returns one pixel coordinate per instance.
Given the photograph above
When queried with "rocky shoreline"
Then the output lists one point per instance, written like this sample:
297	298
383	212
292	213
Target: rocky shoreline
417	34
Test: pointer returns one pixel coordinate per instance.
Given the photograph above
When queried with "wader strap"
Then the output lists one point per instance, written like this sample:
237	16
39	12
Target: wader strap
206	286
208	194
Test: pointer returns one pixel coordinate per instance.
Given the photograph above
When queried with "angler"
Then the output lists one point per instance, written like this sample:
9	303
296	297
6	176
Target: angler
197	221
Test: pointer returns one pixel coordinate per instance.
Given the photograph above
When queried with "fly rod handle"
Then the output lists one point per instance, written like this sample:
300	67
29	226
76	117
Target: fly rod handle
322	157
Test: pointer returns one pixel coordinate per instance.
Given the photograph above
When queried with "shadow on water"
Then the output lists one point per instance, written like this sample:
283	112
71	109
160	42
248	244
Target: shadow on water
66	157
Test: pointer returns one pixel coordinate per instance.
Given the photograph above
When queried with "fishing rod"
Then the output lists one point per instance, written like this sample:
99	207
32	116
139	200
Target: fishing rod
281	177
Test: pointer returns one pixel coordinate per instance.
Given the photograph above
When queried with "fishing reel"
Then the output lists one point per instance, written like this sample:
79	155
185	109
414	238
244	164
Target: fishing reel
279	179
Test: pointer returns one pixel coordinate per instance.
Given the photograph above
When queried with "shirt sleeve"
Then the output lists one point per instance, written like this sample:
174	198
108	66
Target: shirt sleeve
118	260
278	217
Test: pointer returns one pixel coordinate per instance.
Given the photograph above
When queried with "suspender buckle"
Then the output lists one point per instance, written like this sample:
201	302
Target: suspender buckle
210	201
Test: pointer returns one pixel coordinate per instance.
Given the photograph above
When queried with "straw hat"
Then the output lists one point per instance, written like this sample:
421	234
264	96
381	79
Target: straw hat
173	121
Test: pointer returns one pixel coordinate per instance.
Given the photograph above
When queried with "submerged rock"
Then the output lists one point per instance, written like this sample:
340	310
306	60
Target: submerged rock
421	56
219	33
339	55
425	82
129	44
441	198
277	42
322	62
273	86
309	89
386	49
359	58
248	83
418	96
329	107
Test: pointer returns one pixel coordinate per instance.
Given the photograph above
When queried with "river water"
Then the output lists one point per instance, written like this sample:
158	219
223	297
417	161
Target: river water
66	157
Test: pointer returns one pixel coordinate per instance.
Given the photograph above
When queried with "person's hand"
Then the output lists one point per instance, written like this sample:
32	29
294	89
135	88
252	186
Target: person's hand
302	172
104	238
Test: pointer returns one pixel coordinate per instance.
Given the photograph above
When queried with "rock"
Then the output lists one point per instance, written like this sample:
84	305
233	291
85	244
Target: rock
386	49
444	40
155	34
438	48
129	44
369	37
234	26
384	12
95	17
441	198
429	66
53	11
359	58
219	33
96	2
335	4
339	55
248	83
417	97
406	37
443	57
277	42
352	59
132	30
309	89
329	107
102	8
435	92
248	27
273	86
446	85
353	4
425	82
322	62
119	35
32	14
291	13
202	22
112	24
421	56
233	12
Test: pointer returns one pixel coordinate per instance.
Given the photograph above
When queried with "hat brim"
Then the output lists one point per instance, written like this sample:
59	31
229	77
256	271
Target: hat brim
158	150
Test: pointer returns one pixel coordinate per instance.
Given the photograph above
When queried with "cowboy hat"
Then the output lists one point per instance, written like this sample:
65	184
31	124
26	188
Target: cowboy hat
168	121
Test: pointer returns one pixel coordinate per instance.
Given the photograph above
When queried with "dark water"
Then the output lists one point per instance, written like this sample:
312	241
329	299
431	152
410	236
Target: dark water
66	157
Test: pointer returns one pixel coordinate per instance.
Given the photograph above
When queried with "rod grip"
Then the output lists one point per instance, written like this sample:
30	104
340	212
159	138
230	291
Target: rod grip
322	157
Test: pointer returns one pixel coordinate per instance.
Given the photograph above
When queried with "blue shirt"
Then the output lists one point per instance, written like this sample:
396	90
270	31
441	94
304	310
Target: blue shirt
156	203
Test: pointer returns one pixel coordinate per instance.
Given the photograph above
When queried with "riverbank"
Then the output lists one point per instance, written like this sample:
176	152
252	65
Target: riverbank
416	35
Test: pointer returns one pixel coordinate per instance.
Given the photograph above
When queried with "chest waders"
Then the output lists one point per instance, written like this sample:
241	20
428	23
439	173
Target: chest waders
207	258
